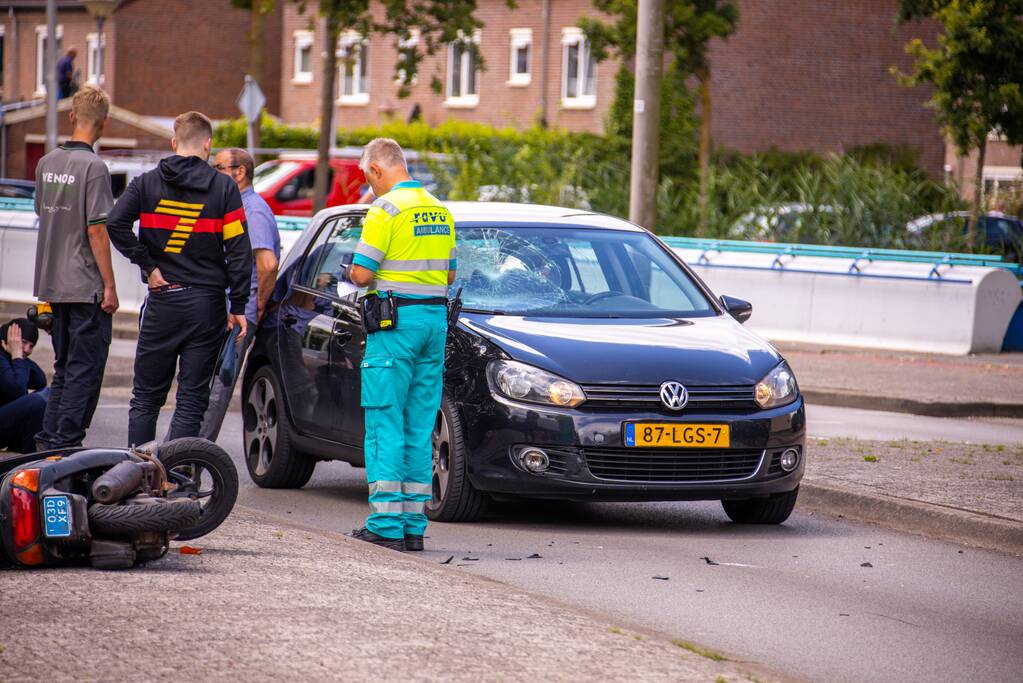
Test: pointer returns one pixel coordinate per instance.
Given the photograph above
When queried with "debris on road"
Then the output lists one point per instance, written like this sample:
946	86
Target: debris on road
708	560
535	556
866	564
448	561
189	550
662	578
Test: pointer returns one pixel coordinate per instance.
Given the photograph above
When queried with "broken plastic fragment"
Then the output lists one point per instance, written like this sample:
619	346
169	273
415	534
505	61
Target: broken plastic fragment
708	560
866	564
662	578
535	556
189	550
448	561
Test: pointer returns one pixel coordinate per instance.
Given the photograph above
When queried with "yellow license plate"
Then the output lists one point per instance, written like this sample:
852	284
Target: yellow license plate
676	435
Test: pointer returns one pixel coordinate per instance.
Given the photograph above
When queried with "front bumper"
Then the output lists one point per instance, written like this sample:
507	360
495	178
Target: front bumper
589	460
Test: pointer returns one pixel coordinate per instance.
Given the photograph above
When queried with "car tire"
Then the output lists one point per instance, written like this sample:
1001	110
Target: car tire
271	458
774	509
455	499
187	460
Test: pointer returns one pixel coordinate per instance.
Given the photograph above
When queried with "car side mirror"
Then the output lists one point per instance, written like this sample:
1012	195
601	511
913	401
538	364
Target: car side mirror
737	308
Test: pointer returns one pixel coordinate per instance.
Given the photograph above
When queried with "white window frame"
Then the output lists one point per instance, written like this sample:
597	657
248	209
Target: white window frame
405	44
520	38
573	36
92	48
303	40
41	32
462	100
360	88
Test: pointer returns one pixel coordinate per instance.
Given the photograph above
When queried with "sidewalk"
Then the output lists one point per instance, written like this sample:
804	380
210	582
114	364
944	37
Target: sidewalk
267	600
981	385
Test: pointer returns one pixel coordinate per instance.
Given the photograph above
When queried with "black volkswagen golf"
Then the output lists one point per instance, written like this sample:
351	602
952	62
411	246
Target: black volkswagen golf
589	363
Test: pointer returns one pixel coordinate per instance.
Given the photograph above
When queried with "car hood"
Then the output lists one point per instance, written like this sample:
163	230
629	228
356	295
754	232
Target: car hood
697	351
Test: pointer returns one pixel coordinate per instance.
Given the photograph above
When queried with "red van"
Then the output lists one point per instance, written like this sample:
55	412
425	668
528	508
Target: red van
286	183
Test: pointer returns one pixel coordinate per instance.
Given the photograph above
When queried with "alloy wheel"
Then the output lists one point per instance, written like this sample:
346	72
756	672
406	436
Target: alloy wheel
441	441
261	421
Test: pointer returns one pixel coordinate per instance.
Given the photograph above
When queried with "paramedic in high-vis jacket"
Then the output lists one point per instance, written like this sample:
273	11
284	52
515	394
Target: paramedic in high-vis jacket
407	259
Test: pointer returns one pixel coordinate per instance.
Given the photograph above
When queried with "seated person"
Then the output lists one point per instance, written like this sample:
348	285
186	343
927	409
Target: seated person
23	390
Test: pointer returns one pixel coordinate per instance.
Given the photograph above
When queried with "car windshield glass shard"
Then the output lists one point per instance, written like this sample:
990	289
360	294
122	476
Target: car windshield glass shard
573	272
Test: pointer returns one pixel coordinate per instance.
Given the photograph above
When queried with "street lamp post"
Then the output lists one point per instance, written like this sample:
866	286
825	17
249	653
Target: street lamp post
100	10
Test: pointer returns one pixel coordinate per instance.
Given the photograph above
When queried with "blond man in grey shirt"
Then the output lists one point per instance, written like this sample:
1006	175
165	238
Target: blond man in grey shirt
74	270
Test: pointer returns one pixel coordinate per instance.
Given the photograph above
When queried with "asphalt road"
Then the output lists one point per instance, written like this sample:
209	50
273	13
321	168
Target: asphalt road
817	598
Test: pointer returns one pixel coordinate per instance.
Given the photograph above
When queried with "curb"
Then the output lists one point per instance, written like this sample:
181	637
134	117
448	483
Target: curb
946	523
893	404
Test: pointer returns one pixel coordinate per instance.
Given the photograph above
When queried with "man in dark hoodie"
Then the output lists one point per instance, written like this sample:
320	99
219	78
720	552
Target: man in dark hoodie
192	245
23	390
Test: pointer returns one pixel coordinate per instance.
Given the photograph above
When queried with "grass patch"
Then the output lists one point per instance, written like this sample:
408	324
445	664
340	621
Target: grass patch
615	630
720	679
961	461
698	650
1000	477
871	458
1007	462
1000	448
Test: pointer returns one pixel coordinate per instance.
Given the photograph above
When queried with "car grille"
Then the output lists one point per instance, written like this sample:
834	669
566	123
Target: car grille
648	397
629	464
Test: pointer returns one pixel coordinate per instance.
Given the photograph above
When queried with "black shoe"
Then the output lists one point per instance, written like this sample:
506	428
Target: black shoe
365	534
413	543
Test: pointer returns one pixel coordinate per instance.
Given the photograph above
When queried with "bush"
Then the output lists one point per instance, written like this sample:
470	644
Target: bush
864	198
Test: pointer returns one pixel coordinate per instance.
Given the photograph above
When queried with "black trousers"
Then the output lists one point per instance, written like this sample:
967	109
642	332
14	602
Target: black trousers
81	342
184	328
21	420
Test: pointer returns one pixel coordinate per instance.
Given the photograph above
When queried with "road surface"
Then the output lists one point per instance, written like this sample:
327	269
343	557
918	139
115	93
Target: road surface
817	598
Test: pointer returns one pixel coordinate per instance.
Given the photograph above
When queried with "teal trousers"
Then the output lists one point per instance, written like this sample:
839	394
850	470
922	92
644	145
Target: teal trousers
402	381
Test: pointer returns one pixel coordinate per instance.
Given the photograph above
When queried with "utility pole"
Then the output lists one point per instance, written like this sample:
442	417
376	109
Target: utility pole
646	113
50	77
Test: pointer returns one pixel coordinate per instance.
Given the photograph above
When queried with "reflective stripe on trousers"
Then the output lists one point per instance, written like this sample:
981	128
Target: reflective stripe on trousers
402	376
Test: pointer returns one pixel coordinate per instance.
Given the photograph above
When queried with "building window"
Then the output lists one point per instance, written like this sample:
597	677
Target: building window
353	81
463	73
521	54
406	47
92	48
303	57
41	56
578	71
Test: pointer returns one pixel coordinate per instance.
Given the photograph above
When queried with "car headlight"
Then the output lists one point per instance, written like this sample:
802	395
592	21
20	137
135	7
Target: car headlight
777	388
521	382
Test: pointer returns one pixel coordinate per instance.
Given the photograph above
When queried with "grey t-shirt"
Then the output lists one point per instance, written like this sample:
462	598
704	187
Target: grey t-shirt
72	193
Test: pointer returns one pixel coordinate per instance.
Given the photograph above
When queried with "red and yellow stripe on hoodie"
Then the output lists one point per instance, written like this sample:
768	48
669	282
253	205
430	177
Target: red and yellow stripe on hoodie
193	230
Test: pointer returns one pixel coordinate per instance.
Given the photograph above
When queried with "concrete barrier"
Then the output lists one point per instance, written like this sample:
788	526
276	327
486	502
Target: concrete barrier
914	306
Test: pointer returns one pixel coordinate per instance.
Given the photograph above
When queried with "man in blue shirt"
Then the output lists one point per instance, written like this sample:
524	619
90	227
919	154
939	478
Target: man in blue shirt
265	241
66	85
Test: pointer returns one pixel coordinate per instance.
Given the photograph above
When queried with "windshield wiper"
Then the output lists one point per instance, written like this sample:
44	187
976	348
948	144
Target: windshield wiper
485	311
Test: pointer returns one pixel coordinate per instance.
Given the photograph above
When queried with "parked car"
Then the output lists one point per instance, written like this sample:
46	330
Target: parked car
13	188
286	183
776	222
589	363
1001	234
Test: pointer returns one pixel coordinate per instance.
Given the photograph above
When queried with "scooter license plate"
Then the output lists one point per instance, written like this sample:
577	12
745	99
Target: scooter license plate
57	516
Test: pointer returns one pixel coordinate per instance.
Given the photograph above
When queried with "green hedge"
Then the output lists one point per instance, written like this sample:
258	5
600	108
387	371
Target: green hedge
864	198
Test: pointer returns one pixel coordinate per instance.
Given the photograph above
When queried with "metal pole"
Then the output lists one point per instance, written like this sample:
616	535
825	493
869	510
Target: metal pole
50	77
545	59
646	116
250	134
99	52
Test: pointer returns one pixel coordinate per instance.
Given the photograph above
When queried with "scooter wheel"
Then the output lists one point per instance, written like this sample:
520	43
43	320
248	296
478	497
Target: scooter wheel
205	473
126	520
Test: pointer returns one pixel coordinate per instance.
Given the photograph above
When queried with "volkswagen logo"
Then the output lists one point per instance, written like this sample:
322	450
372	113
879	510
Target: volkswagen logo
674	395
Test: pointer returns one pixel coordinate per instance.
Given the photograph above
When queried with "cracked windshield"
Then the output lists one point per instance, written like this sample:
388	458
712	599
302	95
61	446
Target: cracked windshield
572	272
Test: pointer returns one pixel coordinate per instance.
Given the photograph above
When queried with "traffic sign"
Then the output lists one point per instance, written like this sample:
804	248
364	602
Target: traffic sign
251	100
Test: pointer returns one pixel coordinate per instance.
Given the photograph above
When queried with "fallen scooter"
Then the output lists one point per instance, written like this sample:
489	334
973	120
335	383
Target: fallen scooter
111	508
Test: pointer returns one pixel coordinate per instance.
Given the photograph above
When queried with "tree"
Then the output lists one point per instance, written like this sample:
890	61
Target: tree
258	10
976	74
689	27
435	23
